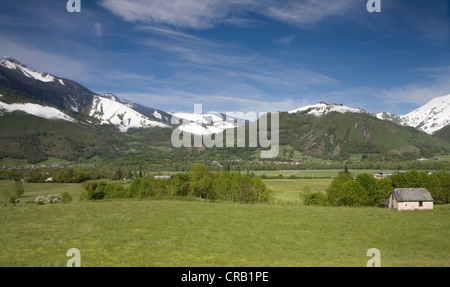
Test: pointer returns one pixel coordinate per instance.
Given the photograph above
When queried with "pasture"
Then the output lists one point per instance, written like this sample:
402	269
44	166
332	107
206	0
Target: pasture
193	233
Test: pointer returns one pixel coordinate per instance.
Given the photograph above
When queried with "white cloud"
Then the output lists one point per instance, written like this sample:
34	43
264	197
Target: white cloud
301	13
196	14
435	83
201	14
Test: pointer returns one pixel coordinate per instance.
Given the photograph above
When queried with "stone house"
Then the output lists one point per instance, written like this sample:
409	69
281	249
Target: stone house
410	199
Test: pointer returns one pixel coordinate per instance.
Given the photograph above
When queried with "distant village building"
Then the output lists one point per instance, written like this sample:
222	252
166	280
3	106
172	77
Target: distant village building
382	174
410	199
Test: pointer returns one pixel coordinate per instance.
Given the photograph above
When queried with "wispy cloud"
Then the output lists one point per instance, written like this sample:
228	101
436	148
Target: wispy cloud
196	14
203	14
286	40
303	13
231	62
213	102
98	29
435	84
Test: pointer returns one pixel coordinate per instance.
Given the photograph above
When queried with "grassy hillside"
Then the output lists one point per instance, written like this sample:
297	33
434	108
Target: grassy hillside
444	134
33	138
337	135
186	233
316	142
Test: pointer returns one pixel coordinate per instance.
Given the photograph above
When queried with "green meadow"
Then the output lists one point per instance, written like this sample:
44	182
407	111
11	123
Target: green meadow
199	233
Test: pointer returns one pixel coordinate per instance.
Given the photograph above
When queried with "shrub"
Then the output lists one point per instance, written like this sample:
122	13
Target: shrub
54	198
114	190
40	200
95	190
314	198
66	198
18	188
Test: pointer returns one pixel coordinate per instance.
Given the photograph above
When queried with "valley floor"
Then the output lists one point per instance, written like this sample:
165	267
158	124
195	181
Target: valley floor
192	233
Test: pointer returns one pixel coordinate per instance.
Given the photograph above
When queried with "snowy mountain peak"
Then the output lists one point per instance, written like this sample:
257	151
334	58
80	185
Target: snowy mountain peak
109	110
430	117
13	64
388	117
322	108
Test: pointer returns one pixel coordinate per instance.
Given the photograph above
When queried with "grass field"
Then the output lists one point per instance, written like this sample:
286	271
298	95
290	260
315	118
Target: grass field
191	233
183	233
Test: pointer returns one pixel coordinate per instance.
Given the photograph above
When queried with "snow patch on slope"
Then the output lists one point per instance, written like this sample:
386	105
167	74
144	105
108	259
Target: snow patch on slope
203	124
110	111
321	109
36	110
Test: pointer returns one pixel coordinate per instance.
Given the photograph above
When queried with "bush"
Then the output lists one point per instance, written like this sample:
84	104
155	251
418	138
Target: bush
114	190
66	198
54	198
40	200
95	190
18	188
314	198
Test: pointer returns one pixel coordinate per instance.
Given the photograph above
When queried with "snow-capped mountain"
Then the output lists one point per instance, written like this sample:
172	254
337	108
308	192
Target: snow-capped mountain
12	64
322	108
109	110
24	89
29	85
41	94
430	117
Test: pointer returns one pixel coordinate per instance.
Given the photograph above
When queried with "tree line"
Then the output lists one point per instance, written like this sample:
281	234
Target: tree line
365	190
199	182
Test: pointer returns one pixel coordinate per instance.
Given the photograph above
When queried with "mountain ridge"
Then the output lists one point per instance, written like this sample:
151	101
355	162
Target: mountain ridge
22	84
331	131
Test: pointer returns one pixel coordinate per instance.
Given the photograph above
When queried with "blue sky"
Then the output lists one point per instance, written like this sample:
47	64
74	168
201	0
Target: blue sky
244	55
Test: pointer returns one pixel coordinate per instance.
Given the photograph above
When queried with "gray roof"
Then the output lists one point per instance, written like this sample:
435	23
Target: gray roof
412	194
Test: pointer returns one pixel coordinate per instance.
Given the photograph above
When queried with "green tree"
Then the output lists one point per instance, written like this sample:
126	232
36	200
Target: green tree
383	190
444	178
353	194
335	189
180	185
263	194
200	181
118	175
369	183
